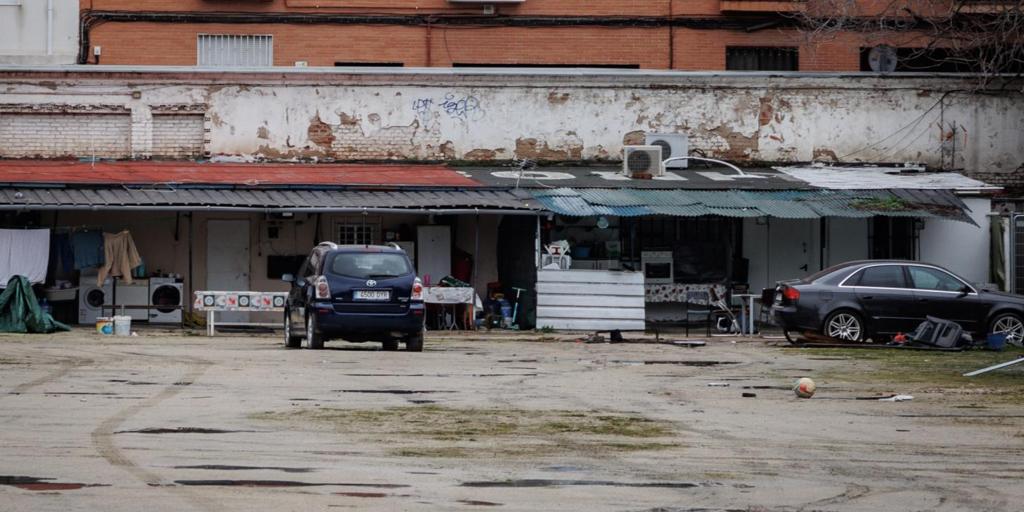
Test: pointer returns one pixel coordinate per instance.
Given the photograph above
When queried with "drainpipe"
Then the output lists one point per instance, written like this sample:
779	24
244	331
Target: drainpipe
49	27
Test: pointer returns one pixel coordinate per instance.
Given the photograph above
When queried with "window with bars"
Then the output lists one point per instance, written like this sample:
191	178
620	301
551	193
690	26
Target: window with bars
357	232
228	50
762	59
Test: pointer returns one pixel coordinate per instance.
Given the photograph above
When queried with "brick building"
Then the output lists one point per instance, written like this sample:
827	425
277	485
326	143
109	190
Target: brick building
646	34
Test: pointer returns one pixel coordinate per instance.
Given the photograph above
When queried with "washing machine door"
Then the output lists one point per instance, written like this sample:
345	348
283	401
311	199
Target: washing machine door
95	298
166	295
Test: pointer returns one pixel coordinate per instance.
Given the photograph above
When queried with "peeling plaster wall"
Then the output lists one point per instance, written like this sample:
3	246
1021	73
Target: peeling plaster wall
501	117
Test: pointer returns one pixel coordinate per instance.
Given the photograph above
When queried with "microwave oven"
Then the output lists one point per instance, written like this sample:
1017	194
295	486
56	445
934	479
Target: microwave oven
657	267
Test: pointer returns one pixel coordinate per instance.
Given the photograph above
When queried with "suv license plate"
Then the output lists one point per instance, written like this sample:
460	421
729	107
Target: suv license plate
371	295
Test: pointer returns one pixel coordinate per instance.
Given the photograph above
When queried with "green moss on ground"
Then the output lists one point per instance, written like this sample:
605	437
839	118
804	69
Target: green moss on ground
908	370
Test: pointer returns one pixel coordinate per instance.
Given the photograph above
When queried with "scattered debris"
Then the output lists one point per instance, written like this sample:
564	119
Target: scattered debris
718	384
896	398
994	367
749	395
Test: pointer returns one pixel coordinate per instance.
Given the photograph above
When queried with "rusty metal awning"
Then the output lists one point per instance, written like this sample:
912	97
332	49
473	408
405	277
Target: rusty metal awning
161	198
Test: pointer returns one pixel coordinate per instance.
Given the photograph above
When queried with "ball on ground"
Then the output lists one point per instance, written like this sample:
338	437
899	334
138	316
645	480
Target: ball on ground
804	388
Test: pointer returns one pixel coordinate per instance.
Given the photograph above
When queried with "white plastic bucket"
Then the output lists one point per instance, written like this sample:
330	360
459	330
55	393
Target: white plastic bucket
104	325
122	326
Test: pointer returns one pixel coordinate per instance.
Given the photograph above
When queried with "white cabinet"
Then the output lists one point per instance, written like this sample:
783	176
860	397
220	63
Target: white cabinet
434	252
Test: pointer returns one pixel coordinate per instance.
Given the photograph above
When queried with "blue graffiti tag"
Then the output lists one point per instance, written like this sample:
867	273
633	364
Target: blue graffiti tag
460	108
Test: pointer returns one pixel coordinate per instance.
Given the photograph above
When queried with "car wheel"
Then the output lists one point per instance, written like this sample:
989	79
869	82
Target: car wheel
414	343
390	346
844	325
1011	325
314	340
789	338
290	339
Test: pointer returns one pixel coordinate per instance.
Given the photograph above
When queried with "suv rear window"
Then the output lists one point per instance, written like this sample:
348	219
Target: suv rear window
371	265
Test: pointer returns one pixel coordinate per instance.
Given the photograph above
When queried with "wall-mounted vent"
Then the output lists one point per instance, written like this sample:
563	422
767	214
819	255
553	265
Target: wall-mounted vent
672	145
642	162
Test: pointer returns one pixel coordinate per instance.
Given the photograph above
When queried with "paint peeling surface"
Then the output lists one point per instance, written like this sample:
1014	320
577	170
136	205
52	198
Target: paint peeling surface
433	115
860	178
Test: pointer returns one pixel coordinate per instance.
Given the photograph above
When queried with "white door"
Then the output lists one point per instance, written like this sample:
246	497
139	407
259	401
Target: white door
434	252
227	261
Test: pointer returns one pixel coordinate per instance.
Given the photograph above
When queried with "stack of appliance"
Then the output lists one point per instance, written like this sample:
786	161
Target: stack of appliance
163	294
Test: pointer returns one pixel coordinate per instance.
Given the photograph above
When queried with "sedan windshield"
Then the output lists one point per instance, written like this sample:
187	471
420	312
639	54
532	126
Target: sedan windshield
376	265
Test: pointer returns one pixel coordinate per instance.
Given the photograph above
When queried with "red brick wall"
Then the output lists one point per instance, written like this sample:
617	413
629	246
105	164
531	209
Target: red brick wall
323	45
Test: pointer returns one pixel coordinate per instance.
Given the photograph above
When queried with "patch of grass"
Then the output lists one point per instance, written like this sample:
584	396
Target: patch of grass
437	431
905	370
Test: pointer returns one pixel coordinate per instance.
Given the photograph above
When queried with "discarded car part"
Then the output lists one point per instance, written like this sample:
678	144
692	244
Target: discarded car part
994	367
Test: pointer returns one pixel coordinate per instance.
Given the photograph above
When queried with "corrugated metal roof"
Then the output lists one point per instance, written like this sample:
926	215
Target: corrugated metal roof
883	178
60	172
206	198
791	204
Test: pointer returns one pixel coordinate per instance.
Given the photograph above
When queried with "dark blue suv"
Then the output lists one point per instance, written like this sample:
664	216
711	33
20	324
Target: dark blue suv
356	293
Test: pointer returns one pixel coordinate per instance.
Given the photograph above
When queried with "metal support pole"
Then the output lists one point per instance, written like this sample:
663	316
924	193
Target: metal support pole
209	323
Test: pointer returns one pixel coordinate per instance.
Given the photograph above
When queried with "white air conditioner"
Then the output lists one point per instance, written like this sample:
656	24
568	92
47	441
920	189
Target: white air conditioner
642	162
672	145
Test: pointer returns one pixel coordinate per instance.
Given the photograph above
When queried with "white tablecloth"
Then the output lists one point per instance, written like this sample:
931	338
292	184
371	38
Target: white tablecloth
451	295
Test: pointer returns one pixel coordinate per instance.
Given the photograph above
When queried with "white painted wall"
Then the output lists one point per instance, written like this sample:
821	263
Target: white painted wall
23	32
847	240
459	115
779	248
958	246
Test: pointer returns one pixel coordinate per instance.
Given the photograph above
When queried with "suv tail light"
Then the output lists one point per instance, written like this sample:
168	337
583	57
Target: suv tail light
791	294
417	289
323	290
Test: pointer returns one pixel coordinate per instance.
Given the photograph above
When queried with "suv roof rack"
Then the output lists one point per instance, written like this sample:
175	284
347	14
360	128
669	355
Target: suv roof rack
395	246
331	245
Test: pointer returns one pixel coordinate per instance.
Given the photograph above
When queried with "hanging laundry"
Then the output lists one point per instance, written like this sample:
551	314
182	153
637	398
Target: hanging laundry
24	252
61	253
120	257
88	249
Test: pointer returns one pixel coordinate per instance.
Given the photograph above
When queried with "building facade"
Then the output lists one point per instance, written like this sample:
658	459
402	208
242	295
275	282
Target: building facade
38	31
644	34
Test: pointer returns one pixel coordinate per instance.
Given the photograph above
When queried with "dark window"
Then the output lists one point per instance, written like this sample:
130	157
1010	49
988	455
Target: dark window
885	276
892	238
762	59
370	265
370	64
925	278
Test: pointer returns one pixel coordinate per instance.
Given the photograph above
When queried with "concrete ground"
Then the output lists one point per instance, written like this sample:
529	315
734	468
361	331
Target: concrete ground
170	422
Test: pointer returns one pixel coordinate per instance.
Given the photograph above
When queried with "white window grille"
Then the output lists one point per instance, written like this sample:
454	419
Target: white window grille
357	231
227	50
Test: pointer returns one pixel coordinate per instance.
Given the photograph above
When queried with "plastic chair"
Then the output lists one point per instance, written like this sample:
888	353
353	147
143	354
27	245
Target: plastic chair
698	303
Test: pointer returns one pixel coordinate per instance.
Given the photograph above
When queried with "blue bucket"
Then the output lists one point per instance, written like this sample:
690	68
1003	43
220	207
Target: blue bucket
996	341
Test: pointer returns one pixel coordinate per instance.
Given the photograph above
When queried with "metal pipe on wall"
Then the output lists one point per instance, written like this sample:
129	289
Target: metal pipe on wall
49	27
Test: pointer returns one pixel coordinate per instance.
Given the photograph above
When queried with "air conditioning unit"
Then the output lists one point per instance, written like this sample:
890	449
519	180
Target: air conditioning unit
642	162
672	145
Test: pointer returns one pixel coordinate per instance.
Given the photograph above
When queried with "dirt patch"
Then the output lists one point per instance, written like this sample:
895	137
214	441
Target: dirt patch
449	432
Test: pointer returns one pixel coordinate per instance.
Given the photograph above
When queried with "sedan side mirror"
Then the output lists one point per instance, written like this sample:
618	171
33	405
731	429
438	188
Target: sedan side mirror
966	290
288	278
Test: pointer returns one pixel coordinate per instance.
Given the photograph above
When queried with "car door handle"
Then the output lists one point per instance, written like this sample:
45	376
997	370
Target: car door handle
868	297
922	299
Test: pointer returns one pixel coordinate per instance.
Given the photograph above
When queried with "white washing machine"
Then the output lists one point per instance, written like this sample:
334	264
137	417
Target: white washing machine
92	298
165	291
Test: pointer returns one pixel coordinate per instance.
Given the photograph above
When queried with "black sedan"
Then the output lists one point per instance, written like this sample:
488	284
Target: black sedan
875	299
